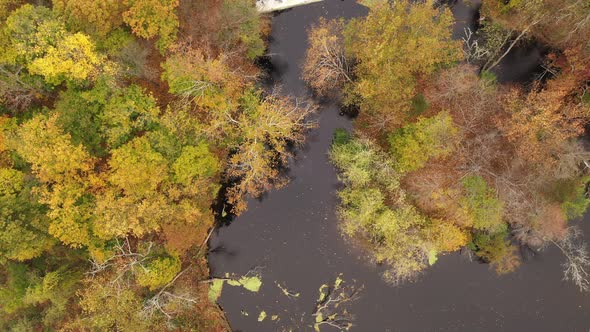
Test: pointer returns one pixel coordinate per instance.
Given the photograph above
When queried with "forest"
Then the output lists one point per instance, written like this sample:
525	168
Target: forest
121	123
131	130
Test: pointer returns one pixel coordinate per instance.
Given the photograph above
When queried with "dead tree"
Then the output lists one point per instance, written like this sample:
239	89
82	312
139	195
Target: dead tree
331	308
326	66
576	268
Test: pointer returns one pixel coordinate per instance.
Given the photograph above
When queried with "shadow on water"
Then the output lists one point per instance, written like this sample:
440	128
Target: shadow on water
293	234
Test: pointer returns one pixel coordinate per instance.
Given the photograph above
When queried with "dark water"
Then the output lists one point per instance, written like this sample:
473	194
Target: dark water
292	233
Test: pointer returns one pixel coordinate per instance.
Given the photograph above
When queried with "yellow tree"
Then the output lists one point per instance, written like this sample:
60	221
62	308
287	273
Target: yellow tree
393	47
73	58
153	18
93	17
266	126
65	173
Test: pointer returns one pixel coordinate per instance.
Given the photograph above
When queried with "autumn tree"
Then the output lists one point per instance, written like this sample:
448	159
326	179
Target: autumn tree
153	18
72	59
23	227
326	67
203	80
62	168
241	24
413	43
562	24
413	144
267	125
93	17
40	43
375	208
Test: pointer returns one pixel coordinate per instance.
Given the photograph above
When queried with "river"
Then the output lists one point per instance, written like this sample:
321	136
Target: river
292	234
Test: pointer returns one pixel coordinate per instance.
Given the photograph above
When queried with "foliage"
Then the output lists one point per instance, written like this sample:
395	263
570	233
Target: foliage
414	144
151	18
105	309
415	41
495	249
99	164
241	23
31	31
93	17
195	162
72	59
482	205
561	24
23	225
393	231
159	272
207	82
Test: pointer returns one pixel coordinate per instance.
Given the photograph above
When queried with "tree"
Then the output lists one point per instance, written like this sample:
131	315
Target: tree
158	273
40	42
72	59
493	248
577	264
561	24
203	80
62	168
541	122
414	144
326	67
266	126
136	168
93	17
482	205
53	158
133	202
329	309
23	224
31	31
106	116
373	207
151	18
414	41
195	162
241	23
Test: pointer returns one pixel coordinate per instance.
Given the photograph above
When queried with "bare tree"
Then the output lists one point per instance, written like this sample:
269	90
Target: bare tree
577	265
473	51
331	309
326	67
124	262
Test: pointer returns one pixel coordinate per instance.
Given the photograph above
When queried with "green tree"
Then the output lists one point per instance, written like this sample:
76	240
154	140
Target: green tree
23	224
482	205
62	169
159	272
193	163
241	23
31	31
